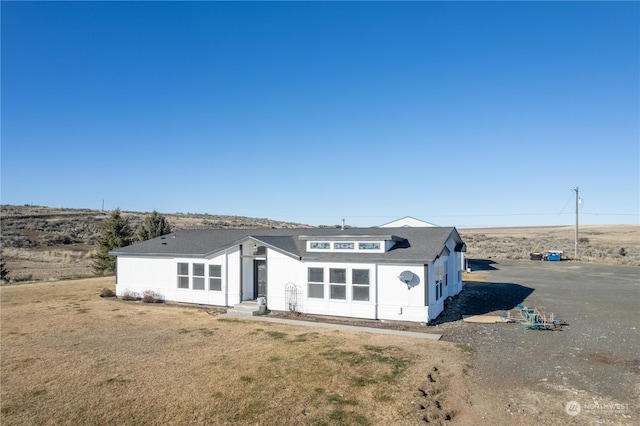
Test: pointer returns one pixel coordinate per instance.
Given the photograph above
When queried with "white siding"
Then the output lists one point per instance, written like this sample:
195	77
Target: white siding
160	275
396	301
282	270
138	274
231	279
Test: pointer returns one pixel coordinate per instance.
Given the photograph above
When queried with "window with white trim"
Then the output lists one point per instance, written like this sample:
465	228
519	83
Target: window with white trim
343	246
446	274
215	277
439	279
198	276
368	246
315	285
360	284
319	245
183	275
338	283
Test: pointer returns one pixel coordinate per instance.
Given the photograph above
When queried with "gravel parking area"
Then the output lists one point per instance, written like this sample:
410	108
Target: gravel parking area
593	359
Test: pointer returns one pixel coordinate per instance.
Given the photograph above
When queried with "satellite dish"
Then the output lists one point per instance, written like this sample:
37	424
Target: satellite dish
406	277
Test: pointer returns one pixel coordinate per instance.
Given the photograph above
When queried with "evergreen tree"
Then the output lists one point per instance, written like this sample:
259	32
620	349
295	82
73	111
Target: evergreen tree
4	273
153	225
115	233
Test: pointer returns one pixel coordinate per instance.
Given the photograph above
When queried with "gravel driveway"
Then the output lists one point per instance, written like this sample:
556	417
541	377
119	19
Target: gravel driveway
593	360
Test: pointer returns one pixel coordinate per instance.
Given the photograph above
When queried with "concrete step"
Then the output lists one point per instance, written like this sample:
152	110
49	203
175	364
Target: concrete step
248	307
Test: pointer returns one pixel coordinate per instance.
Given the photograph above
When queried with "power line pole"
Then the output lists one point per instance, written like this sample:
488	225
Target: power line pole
576	242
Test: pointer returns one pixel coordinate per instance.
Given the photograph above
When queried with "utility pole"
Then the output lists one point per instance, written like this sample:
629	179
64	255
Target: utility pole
577	202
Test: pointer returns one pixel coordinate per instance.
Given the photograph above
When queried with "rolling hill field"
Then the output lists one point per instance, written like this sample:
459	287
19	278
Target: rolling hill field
46	243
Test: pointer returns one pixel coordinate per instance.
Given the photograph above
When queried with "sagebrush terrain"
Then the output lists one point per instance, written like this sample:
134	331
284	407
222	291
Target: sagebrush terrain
45	243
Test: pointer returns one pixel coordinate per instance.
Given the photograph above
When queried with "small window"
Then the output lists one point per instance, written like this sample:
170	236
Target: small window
438	290
319	246
198	276
368	246
183	275
343	246
215	277
338	284
315	285
360	284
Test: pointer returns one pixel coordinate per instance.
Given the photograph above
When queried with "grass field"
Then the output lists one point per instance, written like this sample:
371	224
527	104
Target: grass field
71	357
607	244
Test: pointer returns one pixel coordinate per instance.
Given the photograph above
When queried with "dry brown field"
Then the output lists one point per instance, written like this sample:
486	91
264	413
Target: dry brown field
607	244
71	357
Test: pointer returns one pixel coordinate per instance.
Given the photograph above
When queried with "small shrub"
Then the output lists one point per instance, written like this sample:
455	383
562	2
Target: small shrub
246	379
277	335
107	292
150	296
130	295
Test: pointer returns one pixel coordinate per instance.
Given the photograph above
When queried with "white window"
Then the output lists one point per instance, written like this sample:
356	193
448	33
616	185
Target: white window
360	284
338	284
343	246
215	277
315	286
319	245
439	279
183	275
446	274
368	246
198	276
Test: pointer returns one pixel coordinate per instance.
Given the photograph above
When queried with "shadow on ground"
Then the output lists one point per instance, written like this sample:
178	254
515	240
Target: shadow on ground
479	298
481	264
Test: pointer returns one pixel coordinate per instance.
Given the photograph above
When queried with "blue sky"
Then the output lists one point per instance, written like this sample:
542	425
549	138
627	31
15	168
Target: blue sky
460	113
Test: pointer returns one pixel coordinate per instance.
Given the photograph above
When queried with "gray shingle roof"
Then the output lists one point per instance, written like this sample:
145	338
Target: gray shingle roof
418	245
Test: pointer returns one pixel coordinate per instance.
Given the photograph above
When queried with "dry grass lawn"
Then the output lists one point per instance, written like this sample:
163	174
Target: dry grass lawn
71	357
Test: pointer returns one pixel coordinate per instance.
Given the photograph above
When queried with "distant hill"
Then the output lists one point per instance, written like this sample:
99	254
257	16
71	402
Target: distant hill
42	243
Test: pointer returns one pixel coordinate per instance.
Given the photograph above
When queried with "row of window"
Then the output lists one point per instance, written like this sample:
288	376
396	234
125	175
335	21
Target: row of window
359	284
325	245
195	278
192	276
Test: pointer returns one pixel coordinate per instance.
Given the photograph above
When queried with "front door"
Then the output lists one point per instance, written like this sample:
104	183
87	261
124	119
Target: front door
260	278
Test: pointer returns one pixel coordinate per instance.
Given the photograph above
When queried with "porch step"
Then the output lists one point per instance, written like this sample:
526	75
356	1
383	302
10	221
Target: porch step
246	308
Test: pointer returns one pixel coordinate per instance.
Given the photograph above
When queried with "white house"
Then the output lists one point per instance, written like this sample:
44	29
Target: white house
407	221
376	273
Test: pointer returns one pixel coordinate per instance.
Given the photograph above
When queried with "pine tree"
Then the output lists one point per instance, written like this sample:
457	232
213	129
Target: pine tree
153	225
115	233
4	273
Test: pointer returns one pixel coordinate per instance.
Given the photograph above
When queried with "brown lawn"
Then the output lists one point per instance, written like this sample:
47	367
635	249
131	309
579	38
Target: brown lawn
71	357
